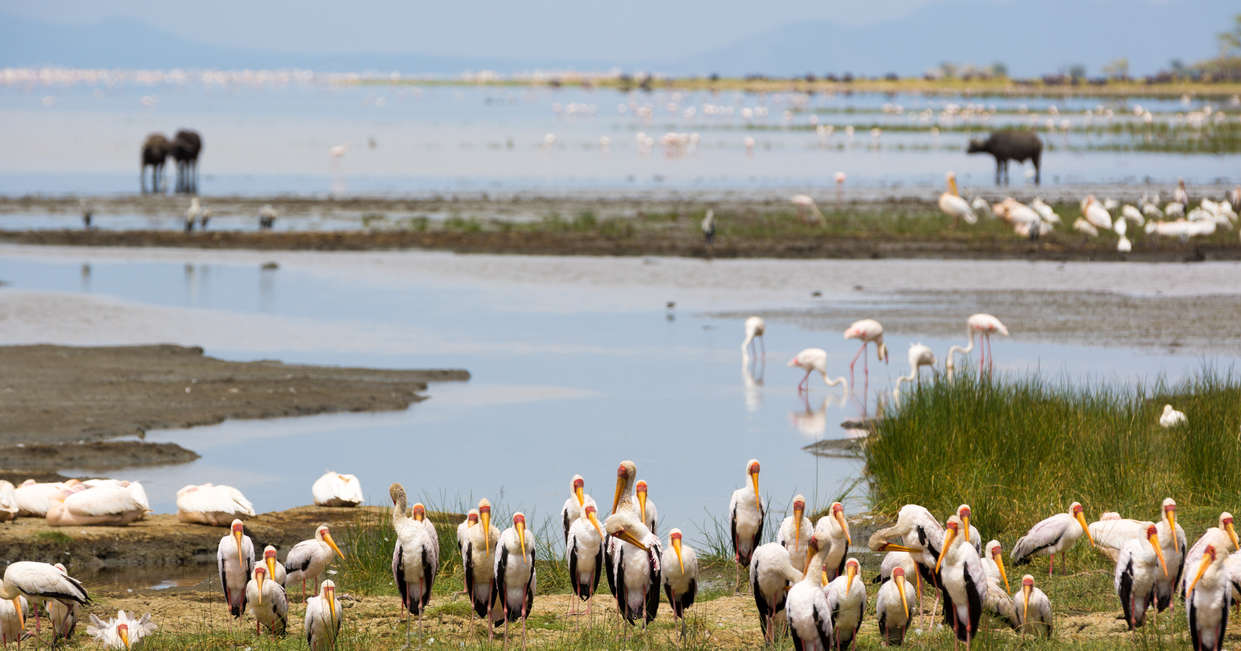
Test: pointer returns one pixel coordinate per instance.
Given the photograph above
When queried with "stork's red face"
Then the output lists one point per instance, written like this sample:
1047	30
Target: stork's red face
799	505
1210	552
579	482
898	571
640	487
753	468
837	507
1029	580
484	509
238	527
590	508
270	553
519	519
953	526
420	512
472	518
622	472
676	535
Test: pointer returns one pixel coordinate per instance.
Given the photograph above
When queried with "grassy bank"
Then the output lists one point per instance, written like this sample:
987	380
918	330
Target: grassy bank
1020	450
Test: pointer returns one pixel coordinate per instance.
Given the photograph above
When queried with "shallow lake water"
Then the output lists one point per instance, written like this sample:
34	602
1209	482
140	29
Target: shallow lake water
573	367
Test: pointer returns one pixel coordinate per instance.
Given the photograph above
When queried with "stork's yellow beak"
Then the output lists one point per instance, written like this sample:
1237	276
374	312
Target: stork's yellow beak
595	521
823	577
965	527
1025	605
1170	516
581	495
259	579
758	501
270	562
1202	568
620	489
999	562
676	547
1232	535
798	514
850	574
124	637
809	555
895	547
521	536
484	518
624	535
642	506
1154	541
952	185
844	526
1081	519
21	617
240	559
948	537
900	588
327	538
330	595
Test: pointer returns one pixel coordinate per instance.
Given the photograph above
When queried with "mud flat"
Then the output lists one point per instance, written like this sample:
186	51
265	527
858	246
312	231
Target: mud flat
61	404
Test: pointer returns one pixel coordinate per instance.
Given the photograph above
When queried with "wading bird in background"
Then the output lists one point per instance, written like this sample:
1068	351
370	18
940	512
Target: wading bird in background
983	326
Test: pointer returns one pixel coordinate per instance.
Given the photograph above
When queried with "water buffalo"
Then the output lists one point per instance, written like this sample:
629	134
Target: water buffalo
155	150
1011	144
186	145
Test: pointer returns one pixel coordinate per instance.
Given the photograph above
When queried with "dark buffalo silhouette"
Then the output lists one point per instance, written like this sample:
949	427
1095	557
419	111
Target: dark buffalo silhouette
155	150
186	146
1011	144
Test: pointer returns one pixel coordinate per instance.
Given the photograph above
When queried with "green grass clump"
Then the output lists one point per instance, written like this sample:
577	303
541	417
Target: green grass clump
1020	450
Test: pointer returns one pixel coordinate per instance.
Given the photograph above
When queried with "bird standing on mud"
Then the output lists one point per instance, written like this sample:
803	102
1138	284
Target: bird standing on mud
745	516
323	615
708	228
479	560
636	566
268	602
771	574
415	556
515	578
235	557
584	553
308	559
679	565
1052	536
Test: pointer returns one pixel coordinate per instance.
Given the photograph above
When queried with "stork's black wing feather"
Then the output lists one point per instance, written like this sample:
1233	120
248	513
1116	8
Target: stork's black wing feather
398	573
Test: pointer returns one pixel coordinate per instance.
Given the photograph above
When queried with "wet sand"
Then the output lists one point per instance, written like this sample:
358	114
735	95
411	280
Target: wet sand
61	402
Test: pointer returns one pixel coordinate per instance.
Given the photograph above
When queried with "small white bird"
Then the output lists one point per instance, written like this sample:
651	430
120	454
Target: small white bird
235	559
323	615
680	574
892	608
268	602
1172	418
335	489
1034	610
212	505
1052	536
846	597
309	558
755	327
122	631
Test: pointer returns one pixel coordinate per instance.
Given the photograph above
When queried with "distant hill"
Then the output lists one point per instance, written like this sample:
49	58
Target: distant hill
1030	37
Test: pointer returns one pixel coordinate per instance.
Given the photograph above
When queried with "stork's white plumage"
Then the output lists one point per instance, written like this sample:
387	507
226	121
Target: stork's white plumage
919	355
415	556
812	360
479	559
578	499
996	601
516	579
471	519
846	598
892	608
679	565
1172	418
1082	226
122	631
1132	214
235	561
794	531
1223	537
983	326
212	505
275	569
963	580
1045	212
1207	601
268	602
755	327
951	203
584	552
309	558
920	535
745	515
810	617
41	583
12	619
833	533
323	615
1033	608
1140	560
993	563
63	616
771	574
637	566
336	489
1052	536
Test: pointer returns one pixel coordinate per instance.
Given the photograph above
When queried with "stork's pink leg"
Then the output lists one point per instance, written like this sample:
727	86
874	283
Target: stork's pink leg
1051	565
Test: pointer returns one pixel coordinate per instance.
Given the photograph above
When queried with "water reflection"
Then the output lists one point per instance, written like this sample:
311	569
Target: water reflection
752	371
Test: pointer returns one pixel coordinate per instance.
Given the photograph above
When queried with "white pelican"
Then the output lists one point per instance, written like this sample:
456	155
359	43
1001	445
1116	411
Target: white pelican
479	559
275	569
1121	227
981	206
951	203
516	579
1131	213
1045	212
322	622
833	533
63	616
637	566
1174	209
268	602
122	631
1034	611
1151	211
1082	226
1134	577
892	609
811	360
647	513
919	355
235	558
1180	195
8	501
795	530
309	558
963	580
212	505
810	618
680	572
869	331
754	329
415	558
745	516
1207	600
1171	417
771	574
1052	536
1124	245
983	325
584	552
41	583
335	489
846	598
805	207
463	530
13	620
106	504
1096	214
35	498
578	499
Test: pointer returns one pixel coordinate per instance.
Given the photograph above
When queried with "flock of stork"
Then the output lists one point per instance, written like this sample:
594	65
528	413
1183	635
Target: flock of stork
1177	218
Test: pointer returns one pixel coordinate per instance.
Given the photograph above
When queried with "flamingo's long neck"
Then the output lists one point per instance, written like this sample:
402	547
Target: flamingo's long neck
831	383
958	349
749	336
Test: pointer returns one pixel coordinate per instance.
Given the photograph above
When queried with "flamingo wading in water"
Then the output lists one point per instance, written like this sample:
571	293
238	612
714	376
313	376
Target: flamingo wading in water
983	326
811	360
869	331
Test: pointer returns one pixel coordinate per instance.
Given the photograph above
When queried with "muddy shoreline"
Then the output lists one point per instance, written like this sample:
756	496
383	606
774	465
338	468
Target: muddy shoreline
102	393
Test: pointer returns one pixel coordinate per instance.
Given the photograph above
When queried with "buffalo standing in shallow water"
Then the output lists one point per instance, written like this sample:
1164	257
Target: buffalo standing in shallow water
155	150
1007	145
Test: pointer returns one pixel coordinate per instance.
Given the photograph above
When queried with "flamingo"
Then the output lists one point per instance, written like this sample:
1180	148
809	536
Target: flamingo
869	331
951	203
840	178
983	325
919	355
755	327
806	206
814	359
